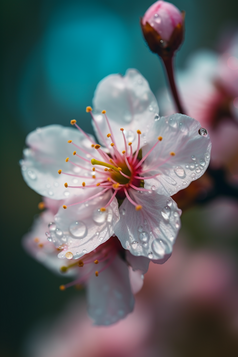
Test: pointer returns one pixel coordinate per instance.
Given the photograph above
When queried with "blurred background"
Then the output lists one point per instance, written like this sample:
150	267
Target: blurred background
54	53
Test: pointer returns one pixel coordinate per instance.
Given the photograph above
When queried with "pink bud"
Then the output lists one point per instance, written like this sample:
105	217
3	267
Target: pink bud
164	18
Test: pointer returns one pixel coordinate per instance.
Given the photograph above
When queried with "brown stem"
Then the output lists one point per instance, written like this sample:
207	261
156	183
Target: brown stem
168	64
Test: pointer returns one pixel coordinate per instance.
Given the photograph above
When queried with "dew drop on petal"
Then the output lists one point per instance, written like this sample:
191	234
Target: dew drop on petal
31	175
69	255
123	211
179	171
166	213
156	117
52	226
58	232
134	245
130	135
99	217
150	255
78	229
144	236
84	251
161	247
140	229
202	132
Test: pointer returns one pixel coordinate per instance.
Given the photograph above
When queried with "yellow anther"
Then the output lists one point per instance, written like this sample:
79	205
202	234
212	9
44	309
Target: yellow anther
129	144
40	245
88	109
96	273
172	153
98	184
122	129
115	185
83	184
109	179
109	135
97	146
112	144
64	207
138	208
59	172
62	287
65	185
80	263
78	286
160	138
96	261
103	111
111	161
92	146
73	121
36	240
103	209
123	152
67	159
93	169
74	153
138	132
94	176
60	248
119	168
106	169
41	205
63	269
69	141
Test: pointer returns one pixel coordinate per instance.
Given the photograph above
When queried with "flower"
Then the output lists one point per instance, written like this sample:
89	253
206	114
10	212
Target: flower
162	27
121	190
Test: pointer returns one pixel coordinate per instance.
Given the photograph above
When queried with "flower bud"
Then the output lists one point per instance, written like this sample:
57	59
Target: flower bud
163	28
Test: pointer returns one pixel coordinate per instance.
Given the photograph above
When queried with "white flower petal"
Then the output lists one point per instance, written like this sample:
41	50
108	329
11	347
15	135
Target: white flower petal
136	280
150	232
83	227
137	263
129	103
181	136
37	245
48	149
109	295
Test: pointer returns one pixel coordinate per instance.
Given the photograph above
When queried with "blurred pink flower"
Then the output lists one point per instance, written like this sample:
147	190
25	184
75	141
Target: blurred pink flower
209	89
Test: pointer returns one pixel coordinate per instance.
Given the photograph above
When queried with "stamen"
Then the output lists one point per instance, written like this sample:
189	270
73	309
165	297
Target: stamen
69	141
41	205
64	206
138	147
89	110
59	172
133	202
36	240
96	162
138	208
73	122
96	261
172	153
62	287
67	159
108	124
148	153
66	185
124	138
96	273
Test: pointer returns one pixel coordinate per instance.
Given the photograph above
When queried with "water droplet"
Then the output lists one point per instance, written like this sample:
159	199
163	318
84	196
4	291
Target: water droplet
130	135
150	108
176	214
202	162
50	193
140	229
134	245
52	226
150	255
153	188
202	132
179	171
58	232
156	117
166	213
193	175
100	217
144	236
198	170
75	181
97	233
78	229
177	224
193	158
123	211
85	251
173	123
170	180
56	184
161	247
66	193
169	203
31	174
192	167
48	236
69	255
